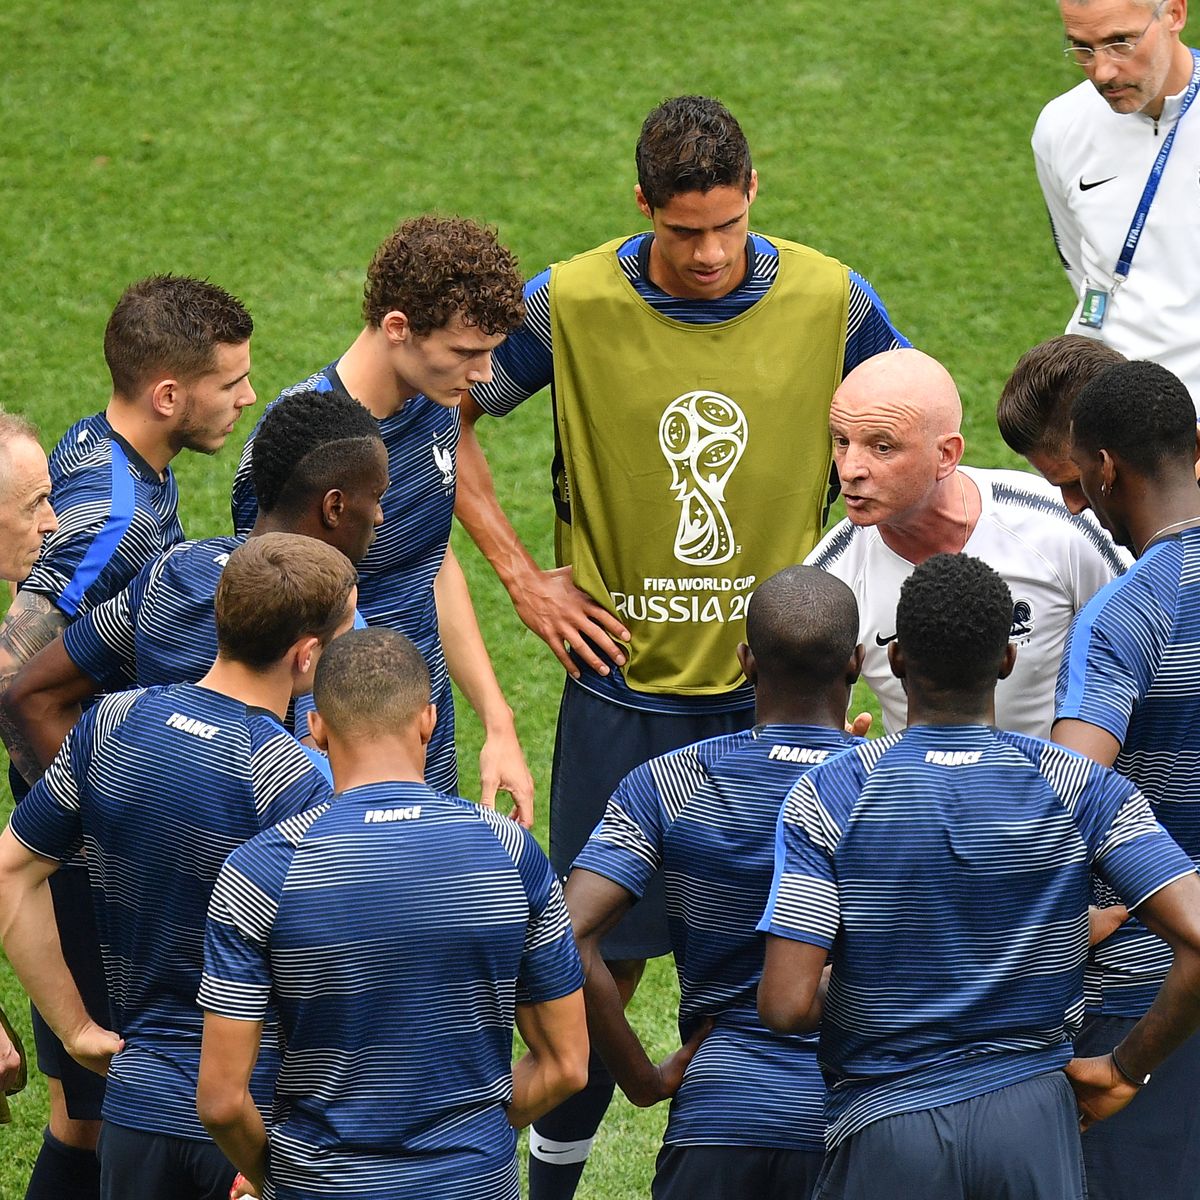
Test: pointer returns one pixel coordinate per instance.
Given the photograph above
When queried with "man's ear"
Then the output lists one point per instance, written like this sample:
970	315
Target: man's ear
166	397
318	731
396	327
642	203
304	655
333	504
745	657
950	452
897	661
855	665
1008	661
426	721
1108	473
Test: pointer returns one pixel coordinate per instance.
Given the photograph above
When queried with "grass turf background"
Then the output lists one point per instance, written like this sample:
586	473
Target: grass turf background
272	147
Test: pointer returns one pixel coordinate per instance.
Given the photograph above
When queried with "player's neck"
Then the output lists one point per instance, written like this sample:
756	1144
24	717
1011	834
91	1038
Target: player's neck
1178	78
1164	511
778	706
399	758
141	432
366	371
943	525
951	708
270	689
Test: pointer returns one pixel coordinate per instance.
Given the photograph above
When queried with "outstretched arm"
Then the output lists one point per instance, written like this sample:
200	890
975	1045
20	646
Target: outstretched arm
502	764
549	603
30	937
30	624
596	904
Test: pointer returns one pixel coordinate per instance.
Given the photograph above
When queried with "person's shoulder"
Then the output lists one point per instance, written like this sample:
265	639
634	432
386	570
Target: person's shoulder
1060	116
84	447
843	549
1020	498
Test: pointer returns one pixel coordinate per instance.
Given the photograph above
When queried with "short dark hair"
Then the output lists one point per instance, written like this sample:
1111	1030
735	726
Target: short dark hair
370	680
1034	409
276	589
953	622
435	268
802	625
309	442
691	144
1139	411
170	324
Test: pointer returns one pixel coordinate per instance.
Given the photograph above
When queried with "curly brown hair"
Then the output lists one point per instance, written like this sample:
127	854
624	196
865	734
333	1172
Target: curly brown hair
432	268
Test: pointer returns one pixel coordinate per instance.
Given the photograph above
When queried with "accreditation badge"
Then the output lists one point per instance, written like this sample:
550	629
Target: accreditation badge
1094	308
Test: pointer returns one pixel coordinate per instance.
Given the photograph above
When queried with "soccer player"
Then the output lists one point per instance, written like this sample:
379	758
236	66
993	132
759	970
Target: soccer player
400	932
747	1117
26	517
158	786
897	443
692	367
1129	697
178	351
320	469
1034	409
441	294
944	872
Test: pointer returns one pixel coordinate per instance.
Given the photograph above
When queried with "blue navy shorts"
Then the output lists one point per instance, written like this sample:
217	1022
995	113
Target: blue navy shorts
76	919
596	745
155	1166
724	1172
1151	1148
1021	1141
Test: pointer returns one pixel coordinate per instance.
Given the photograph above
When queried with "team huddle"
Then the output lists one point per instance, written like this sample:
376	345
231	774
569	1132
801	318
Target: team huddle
272	952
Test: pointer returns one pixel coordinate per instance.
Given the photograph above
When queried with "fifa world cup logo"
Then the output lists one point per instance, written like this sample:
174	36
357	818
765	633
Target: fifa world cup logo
703	436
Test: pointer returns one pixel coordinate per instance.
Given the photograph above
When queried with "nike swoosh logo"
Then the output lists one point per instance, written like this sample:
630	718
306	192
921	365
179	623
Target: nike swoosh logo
1087	187
880	640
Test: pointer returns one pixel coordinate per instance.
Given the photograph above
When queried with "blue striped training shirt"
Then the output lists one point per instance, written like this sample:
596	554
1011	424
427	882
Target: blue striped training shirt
396	929
524	364
162	628
947	869
1132	668
115	513
158	787
395	579
706	815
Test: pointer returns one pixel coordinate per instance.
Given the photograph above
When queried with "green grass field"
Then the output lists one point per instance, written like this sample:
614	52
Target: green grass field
272	147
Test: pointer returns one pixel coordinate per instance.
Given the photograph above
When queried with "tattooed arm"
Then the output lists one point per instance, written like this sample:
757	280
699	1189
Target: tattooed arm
31	623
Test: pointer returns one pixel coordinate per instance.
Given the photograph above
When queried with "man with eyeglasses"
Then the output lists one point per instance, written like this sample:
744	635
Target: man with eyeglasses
1118	158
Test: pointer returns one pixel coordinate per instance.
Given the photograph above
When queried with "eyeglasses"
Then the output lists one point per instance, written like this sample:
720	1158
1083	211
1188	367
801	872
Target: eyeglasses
1085	56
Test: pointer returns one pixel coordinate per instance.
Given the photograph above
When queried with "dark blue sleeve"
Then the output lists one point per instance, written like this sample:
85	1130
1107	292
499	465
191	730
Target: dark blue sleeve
523	363
869	329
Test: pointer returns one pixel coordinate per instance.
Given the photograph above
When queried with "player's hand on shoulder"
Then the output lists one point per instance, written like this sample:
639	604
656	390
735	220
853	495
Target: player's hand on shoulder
1103	922
861	725
567	619
502	768
1100	1090
93	1046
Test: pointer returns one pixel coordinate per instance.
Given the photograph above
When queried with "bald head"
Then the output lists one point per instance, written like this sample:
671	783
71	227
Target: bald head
895	426
906	386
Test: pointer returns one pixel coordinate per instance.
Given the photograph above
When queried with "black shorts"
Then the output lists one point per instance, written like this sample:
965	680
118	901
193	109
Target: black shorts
725	1172
76	919
155	1166
1021	1141
596	745
1151	1148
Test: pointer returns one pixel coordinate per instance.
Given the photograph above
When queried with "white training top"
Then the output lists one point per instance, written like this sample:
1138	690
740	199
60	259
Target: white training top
1092	164
1052	562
